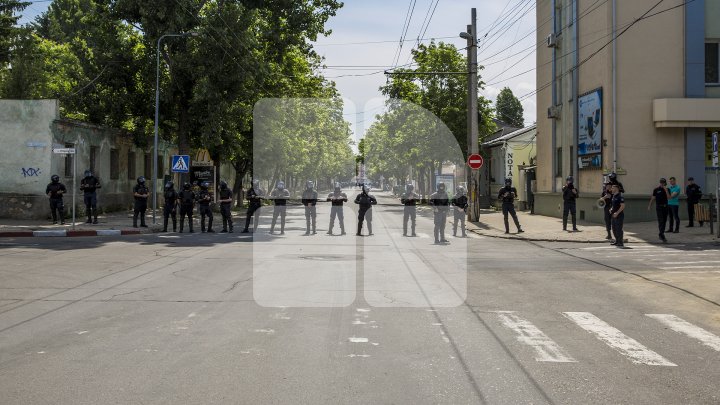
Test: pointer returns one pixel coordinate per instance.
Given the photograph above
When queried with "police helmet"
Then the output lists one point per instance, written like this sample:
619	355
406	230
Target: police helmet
186	186
365	188
204	185
141	180
409	188
569	179
55	178
281	185
309	185
508	181
337	187
88	173
612	176
223	185
441	186
461	190
169	185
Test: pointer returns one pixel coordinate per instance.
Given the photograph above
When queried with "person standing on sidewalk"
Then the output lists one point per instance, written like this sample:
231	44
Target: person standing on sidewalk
617	211
204	200
140	193
89	185
187	200
694	194
279	196
660	195
606	196
55	191
337	198
612	178
507	194
365	201
440	202
309	201
570	194
460	202
409	200
674	206
170	207
254	197
225	200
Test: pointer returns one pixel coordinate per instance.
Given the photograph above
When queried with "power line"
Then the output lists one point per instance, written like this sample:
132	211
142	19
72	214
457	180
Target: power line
395	41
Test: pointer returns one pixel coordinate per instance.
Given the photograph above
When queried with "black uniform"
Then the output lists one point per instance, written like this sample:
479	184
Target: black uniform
204	199
170	208
365	201
55	191
187	200
661	209
607	196
254	197
440	200
569	205
617	222
336	210
460	203
89	186
280	197
507	195
409	200
140	193
694	194
309	200
225	209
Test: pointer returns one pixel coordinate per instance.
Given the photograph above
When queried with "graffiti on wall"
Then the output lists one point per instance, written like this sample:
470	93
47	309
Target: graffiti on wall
31	172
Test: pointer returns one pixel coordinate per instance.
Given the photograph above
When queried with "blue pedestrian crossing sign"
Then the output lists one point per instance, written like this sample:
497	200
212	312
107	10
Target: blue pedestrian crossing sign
180	164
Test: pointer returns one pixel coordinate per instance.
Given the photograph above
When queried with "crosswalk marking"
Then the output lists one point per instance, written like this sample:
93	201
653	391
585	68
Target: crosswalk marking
545	348
688	267
686	328
627	346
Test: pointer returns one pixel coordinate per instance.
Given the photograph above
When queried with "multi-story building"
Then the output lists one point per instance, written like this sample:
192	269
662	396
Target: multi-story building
625	86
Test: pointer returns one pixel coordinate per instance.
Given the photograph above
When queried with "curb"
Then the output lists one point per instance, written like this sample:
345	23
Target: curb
515	237
69	233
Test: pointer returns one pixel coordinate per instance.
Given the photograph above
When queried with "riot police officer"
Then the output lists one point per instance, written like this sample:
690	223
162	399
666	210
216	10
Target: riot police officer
140	193
409	199
170	207
337	198
226	197
460	202
55	191
279	196
187	199
365	201
254	197
309	200
508	194
440	201
570	194
204	199
89	185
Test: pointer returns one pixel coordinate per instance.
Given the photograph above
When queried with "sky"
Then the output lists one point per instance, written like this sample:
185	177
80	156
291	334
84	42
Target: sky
356	66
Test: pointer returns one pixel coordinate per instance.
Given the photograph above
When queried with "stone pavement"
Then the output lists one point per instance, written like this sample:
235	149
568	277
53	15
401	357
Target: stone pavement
544	228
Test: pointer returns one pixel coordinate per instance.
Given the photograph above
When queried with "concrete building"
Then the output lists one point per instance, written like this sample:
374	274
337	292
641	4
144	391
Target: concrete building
625	86
512	156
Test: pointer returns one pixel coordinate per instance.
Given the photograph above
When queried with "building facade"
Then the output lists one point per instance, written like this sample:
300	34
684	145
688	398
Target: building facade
625	86
511	157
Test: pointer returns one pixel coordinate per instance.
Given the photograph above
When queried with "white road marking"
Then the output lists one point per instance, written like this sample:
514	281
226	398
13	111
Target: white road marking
613	247
686	328
688	267
694	272
362	310
625	345
192	315
359	355
358	322
698	262
268	331
358	340
81	332
545	348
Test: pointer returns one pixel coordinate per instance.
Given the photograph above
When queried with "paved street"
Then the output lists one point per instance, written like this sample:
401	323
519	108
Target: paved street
343	319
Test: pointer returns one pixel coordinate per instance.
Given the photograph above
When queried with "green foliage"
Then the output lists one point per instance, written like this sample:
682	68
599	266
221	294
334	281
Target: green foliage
509	109
9	31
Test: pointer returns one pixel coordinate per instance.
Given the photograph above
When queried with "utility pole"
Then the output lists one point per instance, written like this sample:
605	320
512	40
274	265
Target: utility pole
473	144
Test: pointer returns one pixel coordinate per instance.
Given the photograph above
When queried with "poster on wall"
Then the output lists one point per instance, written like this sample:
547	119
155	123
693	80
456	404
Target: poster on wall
590	131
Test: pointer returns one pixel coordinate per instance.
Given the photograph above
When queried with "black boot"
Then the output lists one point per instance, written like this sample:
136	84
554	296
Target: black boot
564	223
165	224
359	230
174	225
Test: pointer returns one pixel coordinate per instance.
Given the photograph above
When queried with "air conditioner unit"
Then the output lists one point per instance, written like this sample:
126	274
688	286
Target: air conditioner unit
553	112
551	41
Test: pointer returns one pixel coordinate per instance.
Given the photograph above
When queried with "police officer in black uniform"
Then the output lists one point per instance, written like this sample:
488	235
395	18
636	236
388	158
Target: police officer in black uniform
55	191
694	194
365	201
337	198
409	199
254	197
460	202
89	184
140	193
440	201
279	196
226	198
661	195
170	207
309	200
186	198
606	196
508	194
570	194
612	178
617	210
204	199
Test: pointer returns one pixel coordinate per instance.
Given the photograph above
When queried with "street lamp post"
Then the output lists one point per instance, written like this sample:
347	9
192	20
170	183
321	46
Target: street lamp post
473	146
157	115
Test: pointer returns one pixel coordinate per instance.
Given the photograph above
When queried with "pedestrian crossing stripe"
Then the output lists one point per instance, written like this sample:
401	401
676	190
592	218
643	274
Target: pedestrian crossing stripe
180	163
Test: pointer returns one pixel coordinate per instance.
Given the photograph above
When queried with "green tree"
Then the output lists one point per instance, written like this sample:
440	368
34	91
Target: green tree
509	109
9	30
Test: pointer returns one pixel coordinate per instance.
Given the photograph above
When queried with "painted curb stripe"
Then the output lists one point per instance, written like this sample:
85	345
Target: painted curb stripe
686	328
50	233
545	348
109	232
16	234
627	346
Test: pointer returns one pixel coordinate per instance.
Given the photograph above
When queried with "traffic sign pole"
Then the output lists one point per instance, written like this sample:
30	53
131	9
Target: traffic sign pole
70	151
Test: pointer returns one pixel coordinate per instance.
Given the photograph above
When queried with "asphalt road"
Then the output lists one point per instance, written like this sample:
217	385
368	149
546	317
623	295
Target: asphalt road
289	319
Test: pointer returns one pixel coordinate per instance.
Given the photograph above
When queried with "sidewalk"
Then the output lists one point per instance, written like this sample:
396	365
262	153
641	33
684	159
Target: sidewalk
549	229
112	224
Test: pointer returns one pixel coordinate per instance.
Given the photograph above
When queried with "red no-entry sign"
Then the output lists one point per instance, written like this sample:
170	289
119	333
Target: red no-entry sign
475	161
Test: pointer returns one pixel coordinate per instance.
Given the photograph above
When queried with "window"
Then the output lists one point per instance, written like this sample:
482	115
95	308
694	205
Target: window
93	158
69	161
160	168
148	166
712	60
131	165
114	164
558	162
